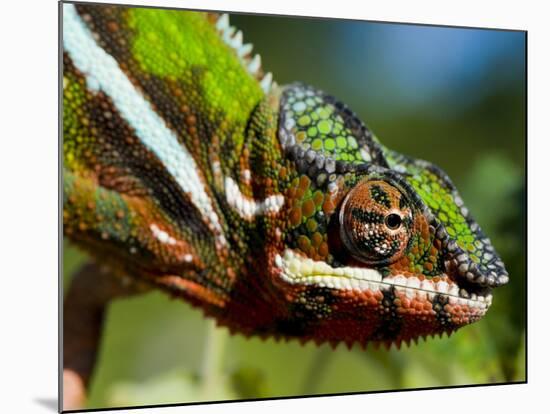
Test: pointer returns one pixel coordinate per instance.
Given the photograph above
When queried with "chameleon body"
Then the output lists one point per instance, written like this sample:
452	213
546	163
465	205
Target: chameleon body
272	208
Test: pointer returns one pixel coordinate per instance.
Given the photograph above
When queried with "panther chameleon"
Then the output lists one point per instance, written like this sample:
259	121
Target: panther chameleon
274	209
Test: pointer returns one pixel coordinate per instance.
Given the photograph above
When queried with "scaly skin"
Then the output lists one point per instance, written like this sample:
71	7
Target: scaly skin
273	209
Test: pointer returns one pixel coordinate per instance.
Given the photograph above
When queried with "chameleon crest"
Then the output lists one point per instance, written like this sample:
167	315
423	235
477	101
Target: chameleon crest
272	208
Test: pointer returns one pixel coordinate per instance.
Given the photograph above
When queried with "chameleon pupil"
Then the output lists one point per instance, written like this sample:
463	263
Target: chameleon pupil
393	221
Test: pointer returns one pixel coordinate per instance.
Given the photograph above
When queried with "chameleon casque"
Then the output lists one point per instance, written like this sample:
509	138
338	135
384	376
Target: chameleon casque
272	208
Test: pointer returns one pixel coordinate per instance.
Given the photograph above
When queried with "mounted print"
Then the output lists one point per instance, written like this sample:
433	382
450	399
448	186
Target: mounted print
339	208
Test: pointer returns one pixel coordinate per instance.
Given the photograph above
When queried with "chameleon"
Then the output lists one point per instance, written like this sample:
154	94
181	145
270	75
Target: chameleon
272	208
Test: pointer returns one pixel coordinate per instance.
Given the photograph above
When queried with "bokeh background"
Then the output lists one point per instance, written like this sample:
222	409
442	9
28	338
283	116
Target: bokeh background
453	96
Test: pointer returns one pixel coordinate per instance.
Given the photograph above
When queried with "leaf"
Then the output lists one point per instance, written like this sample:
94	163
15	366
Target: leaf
167	388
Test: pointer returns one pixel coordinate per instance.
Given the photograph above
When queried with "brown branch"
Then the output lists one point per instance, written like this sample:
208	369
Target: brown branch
91	290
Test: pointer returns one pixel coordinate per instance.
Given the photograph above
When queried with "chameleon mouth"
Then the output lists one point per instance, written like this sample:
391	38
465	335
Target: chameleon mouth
299	270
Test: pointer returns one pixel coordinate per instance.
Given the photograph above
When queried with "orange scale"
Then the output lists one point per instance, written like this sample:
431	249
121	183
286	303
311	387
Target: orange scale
230	273
328	206
372	301
341	293
292	193
323	249
318	198
316	239
304	182
313	254
295	216
308	208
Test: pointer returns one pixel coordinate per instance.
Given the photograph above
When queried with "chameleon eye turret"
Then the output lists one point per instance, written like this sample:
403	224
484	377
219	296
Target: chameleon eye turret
375	222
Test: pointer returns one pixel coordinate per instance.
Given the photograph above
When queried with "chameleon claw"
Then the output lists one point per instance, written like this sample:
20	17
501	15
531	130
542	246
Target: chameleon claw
74	390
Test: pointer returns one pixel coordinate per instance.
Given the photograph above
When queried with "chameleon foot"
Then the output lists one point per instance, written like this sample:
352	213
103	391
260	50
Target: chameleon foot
91	290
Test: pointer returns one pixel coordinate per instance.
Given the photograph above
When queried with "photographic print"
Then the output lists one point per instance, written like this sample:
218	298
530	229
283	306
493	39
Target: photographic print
261	206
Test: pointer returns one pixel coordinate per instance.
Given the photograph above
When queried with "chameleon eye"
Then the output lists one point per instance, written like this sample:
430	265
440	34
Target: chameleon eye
375	220
393	221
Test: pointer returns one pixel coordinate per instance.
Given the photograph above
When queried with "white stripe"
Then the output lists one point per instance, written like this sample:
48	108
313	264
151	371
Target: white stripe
247	207
162	236
296	269
103	73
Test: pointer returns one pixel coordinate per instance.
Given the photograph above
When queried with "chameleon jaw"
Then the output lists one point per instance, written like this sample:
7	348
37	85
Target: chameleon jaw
299	270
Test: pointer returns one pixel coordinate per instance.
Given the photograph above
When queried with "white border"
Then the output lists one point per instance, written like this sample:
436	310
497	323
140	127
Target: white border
28	207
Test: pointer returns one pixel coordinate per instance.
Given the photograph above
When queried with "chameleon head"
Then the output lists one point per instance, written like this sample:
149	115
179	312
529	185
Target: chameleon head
389	252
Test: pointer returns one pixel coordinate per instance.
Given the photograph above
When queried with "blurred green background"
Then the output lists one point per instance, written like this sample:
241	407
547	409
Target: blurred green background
453	96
